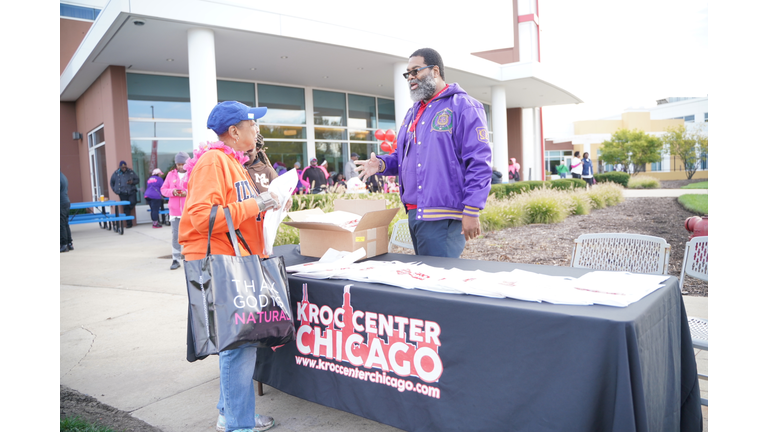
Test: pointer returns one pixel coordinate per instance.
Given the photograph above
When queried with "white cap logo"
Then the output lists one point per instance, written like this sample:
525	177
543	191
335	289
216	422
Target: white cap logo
250	116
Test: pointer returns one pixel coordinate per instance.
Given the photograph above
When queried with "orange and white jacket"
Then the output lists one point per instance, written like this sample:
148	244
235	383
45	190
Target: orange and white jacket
217	178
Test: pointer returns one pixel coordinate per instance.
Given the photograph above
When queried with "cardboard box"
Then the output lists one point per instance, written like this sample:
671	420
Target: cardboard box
371	232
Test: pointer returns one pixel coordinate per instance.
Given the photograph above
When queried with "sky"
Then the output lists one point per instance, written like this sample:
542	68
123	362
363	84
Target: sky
619	54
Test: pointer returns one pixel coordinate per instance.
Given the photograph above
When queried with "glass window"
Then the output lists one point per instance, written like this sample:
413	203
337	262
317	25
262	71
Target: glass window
164	129
237	91
387	114
159	110
330	108
157	88
142	152
329	133
364	150
331	152
706	117
285	104
487	109
287	152
282	132
688	118
362	111
72	11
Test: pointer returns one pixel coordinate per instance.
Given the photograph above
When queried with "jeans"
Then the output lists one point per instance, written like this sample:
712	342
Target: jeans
175	247
441	238
154	207
237	401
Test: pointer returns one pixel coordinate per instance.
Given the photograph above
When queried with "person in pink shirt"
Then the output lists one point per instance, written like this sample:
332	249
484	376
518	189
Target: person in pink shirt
175	188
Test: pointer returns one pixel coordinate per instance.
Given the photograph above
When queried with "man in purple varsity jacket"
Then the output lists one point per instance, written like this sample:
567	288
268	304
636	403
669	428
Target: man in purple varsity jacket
443	160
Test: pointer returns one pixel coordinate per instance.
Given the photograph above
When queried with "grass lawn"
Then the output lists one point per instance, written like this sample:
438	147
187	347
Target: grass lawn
698	204
699	185
75	424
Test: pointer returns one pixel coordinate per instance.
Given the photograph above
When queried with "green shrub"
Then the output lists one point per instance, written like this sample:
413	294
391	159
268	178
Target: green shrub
597	199
499	191
643	182
567	184
517	188
536	184
503	213
619	177
582	205
547	205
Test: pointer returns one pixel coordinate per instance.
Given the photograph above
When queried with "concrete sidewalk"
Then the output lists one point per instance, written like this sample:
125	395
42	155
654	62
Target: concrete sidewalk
123	339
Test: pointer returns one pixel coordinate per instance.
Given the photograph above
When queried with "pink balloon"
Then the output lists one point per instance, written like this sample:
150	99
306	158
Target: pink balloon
394	145
385	147
390	135
380	135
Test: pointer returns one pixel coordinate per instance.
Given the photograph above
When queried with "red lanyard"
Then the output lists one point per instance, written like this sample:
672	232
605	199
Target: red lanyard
423	107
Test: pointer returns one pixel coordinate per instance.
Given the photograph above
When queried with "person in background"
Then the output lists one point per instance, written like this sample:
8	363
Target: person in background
562	169
374	184
175	188
514	170
497	176
65	235
443	160
154	196
392	186
587	173
316	177
576	167
261	170
324	166
302	186
123	183
279	168
217	177
349	167
339	184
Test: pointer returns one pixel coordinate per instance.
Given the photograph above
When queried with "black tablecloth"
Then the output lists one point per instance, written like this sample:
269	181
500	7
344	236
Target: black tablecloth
507	365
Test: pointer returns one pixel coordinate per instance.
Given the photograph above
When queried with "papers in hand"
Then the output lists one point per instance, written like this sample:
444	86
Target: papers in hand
598	287
283	187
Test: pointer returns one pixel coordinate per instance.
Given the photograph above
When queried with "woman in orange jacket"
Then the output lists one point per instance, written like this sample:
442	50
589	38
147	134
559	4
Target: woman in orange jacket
217	177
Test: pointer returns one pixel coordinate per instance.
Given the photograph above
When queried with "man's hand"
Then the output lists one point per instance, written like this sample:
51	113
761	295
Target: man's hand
367	168
470	227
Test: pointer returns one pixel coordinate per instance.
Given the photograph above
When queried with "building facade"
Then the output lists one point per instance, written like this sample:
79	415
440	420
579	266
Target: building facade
139	77
588	135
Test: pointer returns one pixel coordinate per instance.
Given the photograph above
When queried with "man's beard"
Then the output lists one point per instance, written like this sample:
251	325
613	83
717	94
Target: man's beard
425	90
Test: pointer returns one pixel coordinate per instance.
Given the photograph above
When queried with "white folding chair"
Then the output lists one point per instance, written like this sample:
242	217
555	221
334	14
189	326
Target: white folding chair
401	235
635	253
695	265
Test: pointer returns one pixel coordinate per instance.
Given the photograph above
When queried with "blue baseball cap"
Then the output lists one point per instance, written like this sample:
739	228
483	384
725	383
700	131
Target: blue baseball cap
230	113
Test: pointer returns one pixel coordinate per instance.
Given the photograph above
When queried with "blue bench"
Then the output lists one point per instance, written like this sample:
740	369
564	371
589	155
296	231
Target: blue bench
107	221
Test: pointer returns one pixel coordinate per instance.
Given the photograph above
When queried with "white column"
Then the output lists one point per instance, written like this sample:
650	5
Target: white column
309	102
202	82
403	100
528	167
499	121
538	170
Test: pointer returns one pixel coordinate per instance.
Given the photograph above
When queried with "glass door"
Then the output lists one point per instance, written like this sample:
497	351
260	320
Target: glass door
98	163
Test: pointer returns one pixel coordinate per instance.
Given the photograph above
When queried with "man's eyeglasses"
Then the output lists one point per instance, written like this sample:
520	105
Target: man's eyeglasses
413	73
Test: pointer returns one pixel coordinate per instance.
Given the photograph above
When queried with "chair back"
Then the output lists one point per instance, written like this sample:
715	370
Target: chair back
634	253
695	259
401	235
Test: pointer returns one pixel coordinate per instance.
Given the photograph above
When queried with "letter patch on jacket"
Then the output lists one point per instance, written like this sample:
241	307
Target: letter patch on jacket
244	190
482	134
443	121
